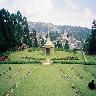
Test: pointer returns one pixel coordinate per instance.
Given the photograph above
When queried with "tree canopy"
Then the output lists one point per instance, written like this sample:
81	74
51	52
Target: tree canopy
13	30
90	46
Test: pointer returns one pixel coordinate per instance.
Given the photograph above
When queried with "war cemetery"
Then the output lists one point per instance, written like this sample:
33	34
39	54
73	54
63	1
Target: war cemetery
45	64
46	72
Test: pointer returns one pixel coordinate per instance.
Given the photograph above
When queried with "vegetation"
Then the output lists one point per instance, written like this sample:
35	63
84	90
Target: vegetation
13	30
39	55
91	59
80	33
21	72
36	55
90	44
66	46
51	80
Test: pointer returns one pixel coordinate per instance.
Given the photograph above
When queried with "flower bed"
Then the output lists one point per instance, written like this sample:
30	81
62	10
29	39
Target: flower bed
3	58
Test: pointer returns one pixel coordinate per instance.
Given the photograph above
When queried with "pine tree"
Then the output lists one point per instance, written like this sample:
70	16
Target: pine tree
92	40
13	30
6	29
34	39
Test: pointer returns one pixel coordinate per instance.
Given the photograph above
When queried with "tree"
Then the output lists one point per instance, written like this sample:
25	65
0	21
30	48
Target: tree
13	30
42	42
59	44
74	51
2	40
35	41
66	46
86	45
91	42
6	29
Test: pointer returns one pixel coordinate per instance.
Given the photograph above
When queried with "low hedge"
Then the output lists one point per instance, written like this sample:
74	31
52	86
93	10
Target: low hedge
73	62
90	63
20	62
67	62
67	58
54	62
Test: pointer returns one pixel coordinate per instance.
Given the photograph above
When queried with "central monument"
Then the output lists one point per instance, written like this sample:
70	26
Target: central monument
48	47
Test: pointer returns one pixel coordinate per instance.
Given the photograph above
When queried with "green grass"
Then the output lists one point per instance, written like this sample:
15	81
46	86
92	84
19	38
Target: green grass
49	80
91	58
16	56
38	55
63	78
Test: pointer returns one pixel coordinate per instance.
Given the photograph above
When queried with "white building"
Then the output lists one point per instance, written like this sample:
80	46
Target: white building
73	43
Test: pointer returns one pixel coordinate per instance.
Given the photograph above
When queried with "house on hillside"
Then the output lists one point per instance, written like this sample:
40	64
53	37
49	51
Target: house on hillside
73	43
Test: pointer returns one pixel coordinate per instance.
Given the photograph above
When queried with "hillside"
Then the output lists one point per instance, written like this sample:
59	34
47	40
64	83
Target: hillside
80	33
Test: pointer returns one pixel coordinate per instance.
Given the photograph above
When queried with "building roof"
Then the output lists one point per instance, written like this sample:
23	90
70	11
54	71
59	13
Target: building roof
48	43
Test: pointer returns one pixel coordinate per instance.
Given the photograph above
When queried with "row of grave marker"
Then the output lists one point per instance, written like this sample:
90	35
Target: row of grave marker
75	88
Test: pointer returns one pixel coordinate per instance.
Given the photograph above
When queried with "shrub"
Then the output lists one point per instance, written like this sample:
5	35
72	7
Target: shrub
67	62
20	62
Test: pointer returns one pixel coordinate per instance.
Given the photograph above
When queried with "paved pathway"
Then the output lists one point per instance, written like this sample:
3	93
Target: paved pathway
47	62
85	59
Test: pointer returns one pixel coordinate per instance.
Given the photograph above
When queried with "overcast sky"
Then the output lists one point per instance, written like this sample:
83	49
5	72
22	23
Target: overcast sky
60	12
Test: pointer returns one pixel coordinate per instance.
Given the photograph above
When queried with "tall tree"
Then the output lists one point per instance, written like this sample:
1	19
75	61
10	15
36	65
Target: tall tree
35	41
6	29
91	41
13	30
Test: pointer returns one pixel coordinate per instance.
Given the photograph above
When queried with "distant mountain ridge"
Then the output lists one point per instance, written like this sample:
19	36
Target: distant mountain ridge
79	33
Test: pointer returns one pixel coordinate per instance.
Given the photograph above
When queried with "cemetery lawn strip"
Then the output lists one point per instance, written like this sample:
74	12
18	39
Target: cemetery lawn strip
39	80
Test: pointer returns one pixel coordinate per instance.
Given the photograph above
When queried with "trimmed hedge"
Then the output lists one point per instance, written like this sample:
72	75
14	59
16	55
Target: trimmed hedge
21	62
72	62
67	58
90	63
67	62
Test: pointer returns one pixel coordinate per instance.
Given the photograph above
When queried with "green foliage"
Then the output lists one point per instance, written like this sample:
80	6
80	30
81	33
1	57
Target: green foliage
53	35
2	39
35	61
58	44
90	44
80	33
50	80
74	51
42	42
13	30
67	62
34	41
66	46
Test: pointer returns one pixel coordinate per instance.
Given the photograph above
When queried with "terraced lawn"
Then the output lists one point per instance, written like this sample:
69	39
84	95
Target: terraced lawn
39	54
48	80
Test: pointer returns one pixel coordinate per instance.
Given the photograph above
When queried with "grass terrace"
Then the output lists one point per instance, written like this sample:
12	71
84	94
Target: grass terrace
50	80
38	56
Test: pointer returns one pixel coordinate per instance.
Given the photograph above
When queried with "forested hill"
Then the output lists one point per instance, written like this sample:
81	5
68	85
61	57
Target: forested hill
79	32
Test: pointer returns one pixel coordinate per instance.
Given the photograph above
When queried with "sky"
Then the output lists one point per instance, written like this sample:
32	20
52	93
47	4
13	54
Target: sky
60	12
